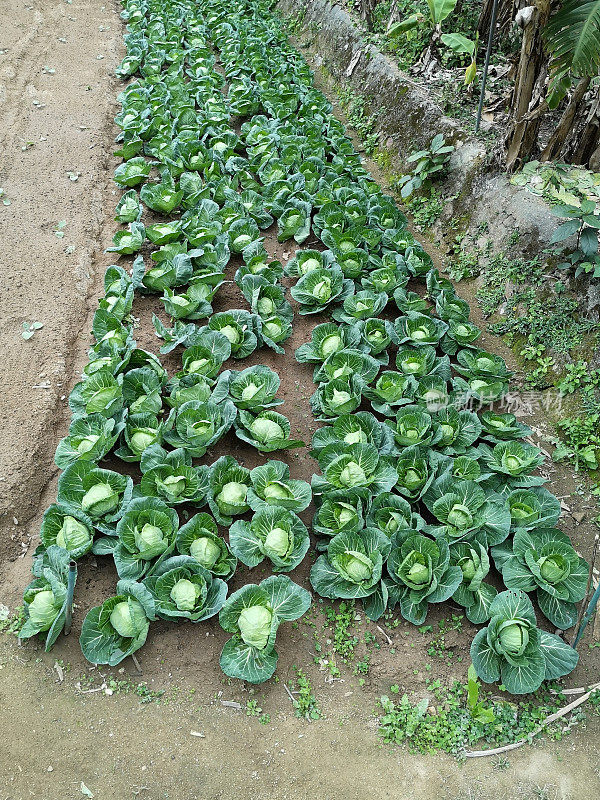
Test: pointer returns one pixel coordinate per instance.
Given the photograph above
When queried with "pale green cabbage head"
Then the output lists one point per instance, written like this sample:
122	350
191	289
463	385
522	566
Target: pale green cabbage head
150	536
73	534
128	618
277	541
205	551
266	430
100	499
232	494
184	594
255	626
43	609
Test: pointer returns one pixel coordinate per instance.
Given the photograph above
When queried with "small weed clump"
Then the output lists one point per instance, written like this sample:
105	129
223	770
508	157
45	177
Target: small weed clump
464	717
305	705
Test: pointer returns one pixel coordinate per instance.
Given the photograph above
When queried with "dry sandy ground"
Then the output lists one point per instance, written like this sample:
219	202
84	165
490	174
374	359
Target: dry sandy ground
56	736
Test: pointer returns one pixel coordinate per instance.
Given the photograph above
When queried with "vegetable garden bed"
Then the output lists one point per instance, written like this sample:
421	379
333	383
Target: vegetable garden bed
258	233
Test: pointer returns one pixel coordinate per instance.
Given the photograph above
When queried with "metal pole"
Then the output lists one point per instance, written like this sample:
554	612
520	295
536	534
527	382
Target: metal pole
588	615
487	63
70	591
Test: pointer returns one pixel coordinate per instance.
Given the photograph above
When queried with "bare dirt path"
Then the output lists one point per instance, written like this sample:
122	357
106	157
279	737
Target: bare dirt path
60	95
122	749
57	95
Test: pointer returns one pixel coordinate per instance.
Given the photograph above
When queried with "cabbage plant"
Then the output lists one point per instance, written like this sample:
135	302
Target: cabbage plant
145	532
390	391
197	426
420	573
459	430
544	560
181	587
142	391
361	305
359	428
338	511
273	533
512	462
199	538
410	302
272	486
45	599
240	327
114	630
352	568
415	474
357	467
414	426
100	493
188	387
254	388
68	527
344	363
267	431
463	510
128	208
533	508
275	329
419	330
502	427
305	261
376	336
253	614
100	393
228	483
473	593
513	650
339	396
194	303
132	172
129	241
266	299
482	388
319	288
169	273
172	477
326	339
89	439
460	334
207	357
294	222
141	432
392	514
419	361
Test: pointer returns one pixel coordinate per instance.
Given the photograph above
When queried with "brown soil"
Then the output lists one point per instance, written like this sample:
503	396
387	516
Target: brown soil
116	746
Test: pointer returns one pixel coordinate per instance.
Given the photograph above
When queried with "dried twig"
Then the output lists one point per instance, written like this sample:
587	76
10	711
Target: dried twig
291	696
138	666
552	718
384	634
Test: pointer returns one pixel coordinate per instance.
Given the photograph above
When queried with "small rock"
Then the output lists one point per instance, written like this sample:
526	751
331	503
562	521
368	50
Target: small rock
578	516
432	711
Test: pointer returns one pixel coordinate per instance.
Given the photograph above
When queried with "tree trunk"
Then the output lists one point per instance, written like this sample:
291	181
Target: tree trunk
586	150
505	15
393	14
367	9
523	131
565	125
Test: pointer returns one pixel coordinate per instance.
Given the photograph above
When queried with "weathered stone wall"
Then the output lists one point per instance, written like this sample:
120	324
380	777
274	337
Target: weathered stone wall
408	119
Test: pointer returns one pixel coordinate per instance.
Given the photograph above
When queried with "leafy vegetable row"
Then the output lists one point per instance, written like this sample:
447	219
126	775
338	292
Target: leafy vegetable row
414	495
